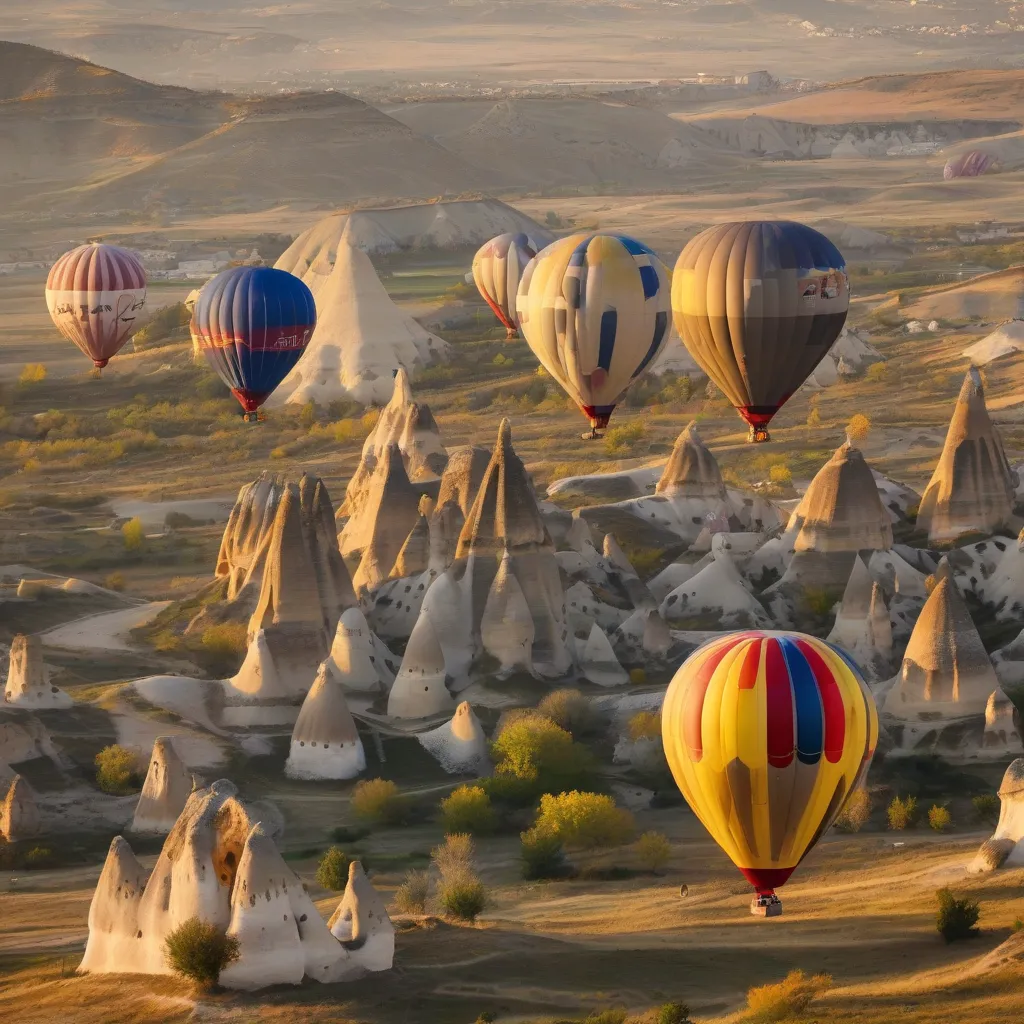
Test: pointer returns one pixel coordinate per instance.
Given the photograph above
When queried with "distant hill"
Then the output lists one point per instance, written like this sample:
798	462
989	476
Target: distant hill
75	136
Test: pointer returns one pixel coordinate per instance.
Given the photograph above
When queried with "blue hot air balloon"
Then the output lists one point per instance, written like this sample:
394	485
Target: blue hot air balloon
253	324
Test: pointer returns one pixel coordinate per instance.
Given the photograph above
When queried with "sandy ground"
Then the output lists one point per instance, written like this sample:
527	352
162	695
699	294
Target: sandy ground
104	632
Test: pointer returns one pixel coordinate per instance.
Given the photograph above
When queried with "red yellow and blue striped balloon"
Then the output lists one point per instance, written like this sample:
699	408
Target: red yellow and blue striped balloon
766	735
497	270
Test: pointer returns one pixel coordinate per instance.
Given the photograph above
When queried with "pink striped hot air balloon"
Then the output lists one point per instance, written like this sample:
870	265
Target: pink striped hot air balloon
95	294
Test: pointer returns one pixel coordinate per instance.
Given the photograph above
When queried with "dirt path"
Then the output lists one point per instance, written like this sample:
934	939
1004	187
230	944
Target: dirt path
103	632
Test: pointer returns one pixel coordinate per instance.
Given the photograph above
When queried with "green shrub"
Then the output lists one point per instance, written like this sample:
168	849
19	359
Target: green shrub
622	438
780	474
332	871
532	756
571	711
134	535
463	898
39	857
986	807
858	428
645	725
606	1017
117	769
543	856
653	851
222	647
378	802
468	809
786	998
32	373
901	813
939	818
411	895
674	1013
856	811
956	919
200	951
584	820
877	372
454	857
115	581
487	1017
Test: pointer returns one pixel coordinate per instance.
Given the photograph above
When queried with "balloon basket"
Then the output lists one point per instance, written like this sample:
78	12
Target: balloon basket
758	435
766	905
254	417
592	435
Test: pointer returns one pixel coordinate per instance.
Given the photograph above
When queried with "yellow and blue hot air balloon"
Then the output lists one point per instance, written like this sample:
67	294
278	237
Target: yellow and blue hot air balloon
767	734
595	311
497	270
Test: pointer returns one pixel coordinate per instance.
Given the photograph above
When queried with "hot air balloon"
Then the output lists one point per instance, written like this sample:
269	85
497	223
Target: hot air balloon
253	324
594	309
758	304
767	734
497	268
95	294
971	164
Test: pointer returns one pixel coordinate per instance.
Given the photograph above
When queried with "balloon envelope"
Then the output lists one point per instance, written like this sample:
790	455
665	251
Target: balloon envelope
758	304
767	734
595	311
968	165
95	294
497	269
253	324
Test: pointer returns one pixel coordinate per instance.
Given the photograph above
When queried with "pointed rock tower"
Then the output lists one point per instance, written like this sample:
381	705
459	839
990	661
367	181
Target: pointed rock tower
862	627
359	661
462	477
361	338
414	555
598	663
246	538
19	815
717	590
1006	847
937	701
460	746
419	689
325	741
506	629
692	471
165	792
362	925
972	489
505	518
114	941
28	679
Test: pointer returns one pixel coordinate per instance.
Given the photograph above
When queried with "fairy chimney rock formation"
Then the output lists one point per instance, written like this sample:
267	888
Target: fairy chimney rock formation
414	555
842	509
506	628
460	746
691	471
28	679
165	792
973	487
862	627
938	698
19	814
462	477
1006	847
361	923
325	743
246	538
598	663
616	556
419	689
258	679
359	661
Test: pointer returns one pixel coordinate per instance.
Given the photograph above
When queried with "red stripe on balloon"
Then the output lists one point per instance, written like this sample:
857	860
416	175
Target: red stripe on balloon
751	663
693	701
780	714
831	702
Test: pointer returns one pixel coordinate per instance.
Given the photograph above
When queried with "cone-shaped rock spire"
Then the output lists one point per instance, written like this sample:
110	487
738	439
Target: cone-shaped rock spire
691	471
361	923
862	627
165	792
28	679
325	743
972	488
460	745
598	663
419	689
19	814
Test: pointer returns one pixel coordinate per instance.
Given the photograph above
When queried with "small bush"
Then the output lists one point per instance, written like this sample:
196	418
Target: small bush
877	372
986	807
487	1017
225	644
32	373
645	725
956	919
1017	926
780	474
788	997
199	951
637	676
468	809
39	857
622	438
939	818
378	802
901	813
571	711
134	535
117	769
543	856
584	820
462	899
674	1013
332	871
653	851
454	857
856	811
606	1017
115	581
818	601
858	428
411	895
